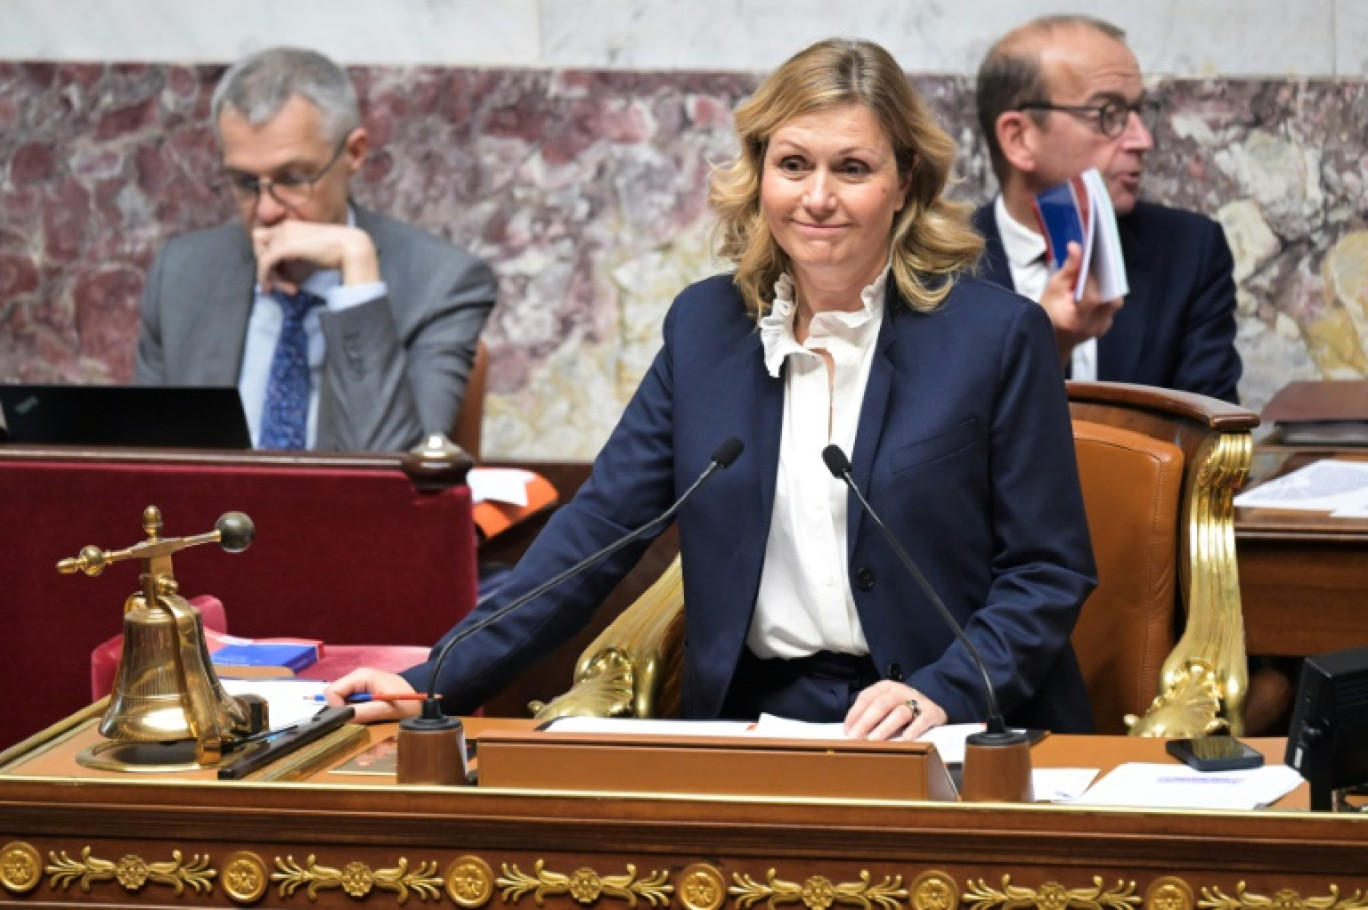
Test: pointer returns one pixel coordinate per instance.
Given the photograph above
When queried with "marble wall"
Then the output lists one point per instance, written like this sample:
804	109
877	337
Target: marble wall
581	181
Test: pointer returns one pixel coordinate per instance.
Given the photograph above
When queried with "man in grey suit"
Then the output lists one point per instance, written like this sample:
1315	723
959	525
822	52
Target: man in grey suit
342	329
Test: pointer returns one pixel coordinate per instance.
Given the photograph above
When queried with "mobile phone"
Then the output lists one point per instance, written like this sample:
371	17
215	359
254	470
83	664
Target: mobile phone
1214	753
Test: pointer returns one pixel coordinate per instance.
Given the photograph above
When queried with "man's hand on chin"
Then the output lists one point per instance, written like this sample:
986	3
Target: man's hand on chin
288	252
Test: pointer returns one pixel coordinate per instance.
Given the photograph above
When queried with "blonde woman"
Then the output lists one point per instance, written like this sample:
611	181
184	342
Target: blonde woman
851	320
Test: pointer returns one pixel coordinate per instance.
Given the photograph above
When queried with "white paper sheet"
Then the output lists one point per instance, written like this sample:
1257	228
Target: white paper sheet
1056	785
1175	786
1328	485
291	700
499	485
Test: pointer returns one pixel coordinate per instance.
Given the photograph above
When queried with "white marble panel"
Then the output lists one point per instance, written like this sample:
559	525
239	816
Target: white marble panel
1172	37
452	32
1351	38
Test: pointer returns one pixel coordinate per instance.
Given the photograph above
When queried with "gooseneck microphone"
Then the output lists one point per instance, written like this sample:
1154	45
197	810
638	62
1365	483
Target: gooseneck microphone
432	745
839	466
722	457
997	762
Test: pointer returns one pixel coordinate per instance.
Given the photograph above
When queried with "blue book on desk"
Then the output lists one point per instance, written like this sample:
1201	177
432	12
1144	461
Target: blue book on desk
292	656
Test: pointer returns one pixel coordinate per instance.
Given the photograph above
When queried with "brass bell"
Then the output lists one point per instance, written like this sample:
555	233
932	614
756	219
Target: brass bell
167	709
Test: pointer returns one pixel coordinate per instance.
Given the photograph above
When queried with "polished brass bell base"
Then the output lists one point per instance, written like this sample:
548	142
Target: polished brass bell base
178	755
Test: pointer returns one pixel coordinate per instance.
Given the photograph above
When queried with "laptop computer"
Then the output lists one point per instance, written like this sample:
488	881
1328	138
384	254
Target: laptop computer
208	417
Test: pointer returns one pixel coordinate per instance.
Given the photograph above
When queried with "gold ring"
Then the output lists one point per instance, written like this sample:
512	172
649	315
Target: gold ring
914	707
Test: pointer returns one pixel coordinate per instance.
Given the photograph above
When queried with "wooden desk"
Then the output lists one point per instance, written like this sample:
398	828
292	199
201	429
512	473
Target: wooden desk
1303	575
133	842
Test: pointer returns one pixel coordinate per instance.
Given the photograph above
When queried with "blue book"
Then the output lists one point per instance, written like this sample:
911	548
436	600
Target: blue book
1080	211
293	656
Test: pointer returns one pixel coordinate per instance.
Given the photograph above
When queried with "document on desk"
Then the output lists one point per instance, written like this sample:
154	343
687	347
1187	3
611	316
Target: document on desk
1334	485
1174	786
291	700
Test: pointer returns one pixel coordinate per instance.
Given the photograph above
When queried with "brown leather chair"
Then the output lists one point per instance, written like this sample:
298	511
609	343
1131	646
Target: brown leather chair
1158	470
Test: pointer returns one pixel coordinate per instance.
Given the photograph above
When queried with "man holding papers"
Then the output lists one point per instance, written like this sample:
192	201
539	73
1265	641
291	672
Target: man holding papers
1056	97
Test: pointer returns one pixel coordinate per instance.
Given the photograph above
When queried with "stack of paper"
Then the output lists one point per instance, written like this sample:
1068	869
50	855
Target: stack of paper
1080	211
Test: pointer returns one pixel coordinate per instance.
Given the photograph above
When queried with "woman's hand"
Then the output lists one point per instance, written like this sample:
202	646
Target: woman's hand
892	710
376	683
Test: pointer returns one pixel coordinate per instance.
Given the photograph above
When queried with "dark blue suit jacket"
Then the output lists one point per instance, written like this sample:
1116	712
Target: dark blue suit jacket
964	447
1177	328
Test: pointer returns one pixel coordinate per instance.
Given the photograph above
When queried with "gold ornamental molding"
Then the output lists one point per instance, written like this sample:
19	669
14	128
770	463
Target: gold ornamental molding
1283	899
702	887
935	891
819	892
358	879
132	872
21	867
470	882
1052	896
244	877
1169	893
584	885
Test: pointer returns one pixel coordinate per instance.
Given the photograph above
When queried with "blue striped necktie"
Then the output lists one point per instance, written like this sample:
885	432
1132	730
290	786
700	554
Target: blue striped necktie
284	420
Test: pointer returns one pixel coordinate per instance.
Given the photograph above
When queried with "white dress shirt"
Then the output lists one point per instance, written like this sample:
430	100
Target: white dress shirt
1025	251
805	604
263	331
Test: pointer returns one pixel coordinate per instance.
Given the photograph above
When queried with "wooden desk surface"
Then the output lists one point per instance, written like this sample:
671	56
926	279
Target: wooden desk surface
128	841
1303	575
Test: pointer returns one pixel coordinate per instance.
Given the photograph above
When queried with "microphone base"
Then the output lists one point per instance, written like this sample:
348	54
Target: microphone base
997	768
432	750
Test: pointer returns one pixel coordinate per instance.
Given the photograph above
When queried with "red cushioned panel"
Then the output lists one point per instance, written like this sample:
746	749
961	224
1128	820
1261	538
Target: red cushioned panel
349	556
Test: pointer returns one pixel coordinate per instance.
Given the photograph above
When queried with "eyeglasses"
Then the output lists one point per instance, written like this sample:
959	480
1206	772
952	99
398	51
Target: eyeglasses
290	190
1111	117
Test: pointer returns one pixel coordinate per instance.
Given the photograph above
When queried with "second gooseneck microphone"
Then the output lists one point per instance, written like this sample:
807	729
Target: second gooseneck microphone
839	466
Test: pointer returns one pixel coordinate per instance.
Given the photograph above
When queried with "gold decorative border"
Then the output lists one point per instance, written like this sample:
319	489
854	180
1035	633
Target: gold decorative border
818	892
470	883
585	885
358	879
132	872
1052	896
1282	899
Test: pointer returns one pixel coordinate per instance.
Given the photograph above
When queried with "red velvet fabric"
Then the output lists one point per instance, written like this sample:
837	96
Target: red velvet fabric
351	555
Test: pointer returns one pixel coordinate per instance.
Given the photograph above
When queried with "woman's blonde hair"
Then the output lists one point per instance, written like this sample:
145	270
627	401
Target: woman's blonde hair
932	238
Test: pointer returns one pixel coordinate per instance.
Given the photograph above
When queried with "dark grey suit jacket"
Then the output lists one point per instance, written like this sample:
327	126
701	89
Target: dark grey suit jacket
395	368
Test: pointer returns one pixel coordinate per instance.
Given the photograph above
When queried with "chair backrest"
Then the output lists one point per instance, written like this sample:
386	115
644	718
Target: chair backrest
466	431
1158	470
349	549
1132	485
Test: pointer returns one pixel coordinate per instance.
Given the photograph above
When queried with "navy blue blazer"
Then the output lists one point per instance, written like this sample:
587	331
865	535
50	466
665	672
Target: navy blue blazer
963	446
1177	328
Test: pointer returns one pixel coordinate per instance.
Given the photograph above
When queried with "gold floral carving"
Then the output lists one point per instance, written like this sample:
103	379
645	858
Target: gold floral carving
244	877
132	872
21	867
357	879
1168	893
1052	896
470	882
584	885
935	891
702	887
1283	899
819	892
